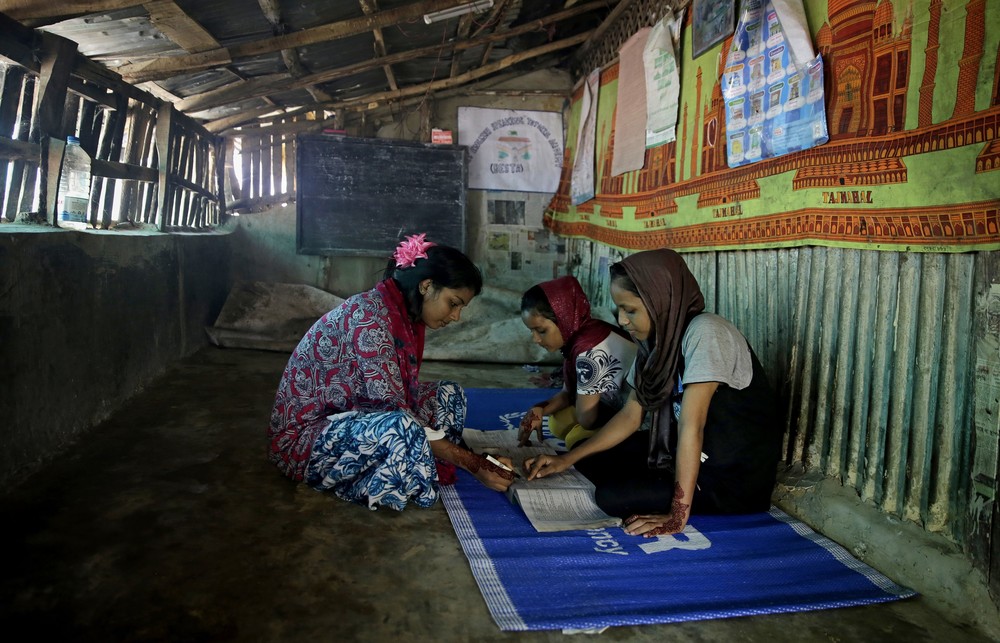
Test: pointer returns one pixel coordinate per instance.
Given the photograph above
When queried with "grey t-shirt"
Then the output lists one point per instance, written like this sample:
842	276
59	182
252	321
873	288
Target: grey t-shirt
714	350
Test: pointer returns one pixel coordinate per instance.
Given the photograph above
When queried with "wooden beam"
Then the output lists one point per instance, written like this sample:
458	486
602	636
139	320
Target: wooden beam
236	120
161	68
233	93
222	152
337	121
23	54
159	92
116	170
14	150
260	204
252	89
193	187
461	79
166	67
462	34
370	7
53	77
293	63
34	10
181	28
371	101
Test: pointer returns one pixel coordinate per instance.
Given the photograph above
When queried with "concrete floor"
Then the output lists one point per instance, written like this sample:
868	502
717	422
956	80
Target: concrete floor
166	523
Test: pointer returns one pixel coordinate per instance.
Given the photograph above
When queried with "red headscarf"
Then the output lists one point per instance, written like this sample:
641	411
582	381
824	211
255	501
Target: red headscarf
580	331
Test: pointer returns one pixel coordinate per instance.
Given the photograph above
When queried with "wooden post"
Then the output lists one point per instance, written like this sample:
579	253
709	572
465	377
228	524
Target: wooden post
290	160
276	165
58	56
10	94
164	125
116	136
266	141
246	185
223	163
17	174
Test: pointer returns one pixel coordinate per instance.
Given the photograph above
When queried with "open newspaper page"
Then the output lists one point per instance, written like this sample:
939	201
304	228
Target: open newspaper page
560	502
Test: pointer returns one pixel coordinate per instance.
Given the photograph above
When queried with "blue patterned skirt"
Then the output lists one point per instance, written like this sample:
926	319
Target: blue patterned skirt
384	458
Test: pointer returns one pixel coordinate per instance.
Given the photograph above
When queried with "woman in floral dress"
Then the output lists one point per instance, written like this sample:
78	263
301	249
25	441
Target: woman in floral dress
350	415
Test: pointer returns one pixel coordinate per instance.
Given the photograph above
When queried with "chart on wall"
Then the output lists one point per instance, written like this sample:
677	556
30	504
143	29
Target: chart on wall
774	101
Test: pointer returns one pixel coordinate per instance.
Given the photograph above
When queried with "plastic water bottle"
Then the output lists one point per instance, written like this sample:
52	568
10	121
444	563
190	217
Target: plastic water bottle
74	186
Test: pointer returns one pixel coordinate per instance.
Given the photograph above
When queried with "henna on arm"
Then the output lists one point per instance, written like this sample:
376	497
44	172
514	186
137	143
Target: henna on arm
678	513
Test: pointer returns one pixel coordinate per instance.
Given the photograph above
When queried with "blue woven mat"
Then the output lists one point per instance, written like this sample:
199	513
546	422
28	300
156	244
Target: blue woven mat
722	566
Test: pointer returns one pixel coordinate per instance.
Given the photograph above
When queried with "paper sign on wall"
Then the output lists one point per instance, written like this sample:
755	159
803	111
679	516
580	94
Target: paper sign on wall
512	150
663	80
581	187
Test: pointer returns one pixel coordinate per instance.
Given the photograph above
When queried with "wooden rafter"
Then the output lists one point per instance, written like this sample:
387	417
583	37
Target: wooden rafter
261	87
161	68
484	88
373	100
482	31
370	7
290	56
464	27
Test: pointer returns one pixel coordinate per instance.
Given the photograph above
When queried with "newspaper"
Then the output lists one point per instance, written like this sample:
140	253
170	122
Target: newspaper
560	502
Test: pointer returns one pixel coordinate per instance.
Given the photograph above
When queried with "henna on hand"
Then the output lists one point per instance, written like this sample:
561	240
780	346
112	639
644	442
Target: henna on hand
500	471
676	518
526	426
473	462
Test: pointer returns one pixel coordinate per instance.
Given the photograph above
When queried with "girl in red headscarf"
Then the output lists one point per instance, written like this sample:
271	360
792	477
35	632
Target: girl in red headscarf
596	355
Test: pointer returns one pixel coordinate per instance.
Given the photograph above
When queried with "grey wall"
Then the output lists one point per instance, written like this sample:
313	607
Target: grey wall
89	318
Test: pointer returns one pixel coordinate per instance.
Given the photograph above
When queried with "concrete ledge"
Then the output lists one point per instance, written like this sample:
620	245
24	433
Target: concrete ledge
926	562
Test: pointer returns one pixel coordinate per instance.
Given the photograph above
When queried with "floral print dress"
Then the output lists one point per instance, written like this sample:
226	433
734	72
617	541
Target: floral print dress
350	415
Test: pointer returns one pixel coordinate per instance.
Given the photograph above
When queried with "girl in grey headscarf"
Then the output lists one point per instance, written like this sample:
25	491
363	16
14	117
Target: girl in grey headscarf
714	436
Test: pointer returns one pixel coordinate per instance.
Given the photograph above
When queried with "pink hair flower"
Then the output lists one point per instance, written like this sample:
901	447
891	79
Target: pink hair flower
410	249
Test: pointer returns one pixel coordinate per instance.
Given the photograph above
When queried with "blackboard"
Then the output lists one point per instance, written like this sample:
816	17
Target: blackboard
360	196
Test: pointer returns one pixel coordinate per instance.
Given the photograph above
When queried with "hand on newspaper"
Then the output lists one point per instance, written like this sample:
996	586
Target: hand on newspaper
545	465
532	421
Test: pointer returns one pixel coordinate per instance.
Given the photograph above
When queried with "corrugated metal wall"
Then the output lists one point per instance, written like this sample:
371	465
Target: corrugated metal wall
871	352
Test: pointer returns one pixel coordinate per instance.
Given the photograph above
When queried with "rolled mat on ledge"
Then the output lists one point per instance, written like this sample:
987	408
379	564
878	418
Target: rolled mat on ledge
721	566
